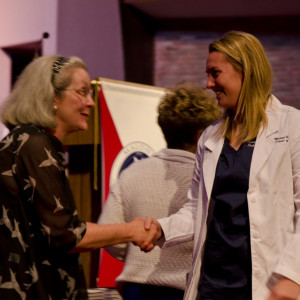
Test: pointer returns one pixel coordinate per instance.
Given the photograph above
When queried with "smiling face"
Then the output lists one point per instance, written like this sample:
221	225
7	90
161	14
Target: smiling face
223	79
73	105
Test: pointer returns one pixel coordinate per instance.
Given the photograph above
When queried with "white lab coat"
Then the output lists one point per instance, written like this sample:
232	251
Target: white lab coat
273	201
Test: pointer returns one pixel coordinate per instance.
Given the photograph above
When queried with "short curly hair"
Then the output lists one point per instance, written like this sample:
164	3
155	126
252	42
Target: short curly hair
183	112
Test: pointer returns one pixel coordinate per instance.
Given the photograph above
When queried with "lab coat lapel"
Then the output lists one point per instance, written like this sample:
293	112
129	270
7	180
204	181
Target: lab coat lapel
265	141
212	150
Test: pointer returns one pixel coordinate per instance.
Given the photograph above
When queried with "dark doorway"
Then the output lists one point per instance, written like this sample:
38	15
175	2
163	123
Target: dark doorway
21	55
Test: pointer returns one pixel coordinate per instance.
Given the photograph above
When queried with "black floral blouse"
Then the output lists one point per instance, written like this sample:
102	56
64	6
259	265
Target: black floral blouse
38	220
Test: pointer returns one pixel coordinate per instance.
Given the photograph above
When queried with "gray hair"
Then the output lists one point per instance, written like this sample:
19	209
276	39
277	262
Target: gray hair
31	100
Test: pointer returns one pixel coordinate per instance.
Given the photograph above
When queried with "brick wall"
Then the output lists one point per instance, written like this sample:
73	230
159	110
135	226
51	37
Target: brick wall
180	56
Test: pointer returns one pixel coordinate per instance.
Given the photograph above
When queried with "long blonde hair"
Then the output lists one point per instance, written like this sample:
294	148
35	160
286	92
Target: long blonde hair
247	56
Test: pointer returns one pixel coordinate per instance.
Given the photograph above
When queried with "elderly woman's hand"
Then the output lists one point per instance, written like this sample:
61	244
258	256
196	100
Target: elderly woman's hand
146	233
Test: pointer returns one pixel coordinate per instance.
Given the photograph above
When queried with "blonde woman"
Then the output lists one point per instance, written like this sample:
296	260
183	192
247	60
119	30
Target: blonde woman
244	201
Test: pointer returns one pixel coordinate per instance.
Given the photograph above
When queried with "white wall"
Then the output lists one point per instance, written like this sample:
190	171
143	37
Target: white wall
90	29
24	22
5	75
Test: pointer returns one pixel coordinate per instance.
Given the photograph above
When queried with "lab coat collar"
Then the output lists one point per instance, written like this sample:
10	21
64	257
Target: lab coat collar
265	141
263	146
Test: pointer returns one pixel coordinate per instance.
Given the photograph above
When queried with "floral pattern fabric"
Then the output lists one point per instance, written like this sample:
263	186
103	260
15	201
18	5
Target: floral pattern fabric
39	222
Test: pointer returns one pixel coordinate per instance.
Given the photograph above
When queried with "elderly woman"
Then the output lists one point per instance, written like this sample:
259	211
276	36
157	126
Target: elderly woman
40	231
244	201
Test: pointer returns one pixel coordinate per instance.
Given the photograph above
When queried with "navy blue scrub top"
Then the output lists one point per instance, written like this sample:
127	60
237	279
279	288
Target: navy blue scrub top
226	267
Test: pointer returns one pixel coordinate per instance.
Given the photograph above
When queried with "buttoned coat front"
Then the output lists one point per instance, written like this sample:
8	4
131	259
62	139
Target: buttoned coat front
273	201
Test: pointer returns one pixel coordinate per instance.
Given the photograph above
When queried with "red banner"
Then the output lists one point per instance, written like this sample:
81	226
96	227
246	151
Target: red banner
129	131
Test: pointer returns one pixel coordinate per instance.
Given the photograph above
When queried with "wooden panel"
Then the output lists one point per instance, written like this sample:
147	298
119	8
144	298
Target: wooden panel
87	199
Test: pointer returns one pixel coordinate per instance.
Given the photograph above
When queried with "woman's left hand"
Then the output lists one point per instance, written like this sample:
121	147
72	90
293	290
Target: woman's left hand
285	289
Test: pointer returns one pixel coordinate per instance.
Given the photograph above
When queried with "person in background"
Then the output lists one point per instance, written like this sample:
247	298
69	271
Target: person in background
40	231
158	186
244	201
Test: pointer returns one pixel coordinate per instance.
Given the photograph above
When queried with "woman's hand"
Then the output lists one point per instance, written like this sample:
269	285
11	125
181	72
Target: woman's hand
146	233
285	289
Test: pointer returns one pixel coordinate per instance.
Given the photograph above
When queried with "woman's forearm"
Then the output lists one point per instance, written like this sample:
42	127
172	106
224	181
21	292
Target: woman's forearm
102	235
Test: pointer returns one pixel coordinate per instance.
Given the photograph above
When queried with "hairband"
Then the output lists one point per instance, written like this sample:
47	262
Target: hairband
57	66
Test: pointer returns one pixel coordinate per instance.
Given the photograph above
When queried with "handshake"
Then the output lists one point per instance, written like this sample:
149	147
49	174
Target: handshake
145	233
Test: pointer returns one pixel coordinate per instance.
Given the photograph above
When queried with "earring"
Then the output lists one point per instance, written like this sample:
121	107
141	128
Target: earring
55	107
